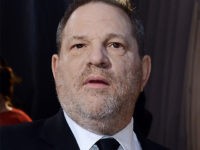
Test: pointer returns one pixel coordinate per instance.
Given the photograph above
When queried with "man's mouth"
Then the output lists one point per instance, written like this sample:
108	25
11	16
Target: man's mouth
96	82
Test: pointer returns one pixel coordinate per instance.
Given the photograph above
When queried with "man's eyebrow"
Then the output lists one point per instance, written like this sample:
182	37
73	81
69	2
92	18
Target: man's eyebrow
113	35
116	35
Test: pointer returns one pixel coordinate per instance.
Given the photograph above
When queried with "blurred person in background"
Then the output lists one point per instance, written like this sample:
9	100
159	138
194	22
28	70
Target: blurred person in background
9	115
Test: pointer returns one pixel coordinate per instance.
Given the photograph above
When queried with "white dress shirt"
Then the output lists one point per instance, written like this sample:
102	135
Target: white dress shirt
86	140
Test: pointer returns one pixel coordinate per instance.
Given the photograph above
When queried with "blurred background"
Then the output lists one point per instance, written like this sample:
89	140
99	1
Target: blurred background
27	42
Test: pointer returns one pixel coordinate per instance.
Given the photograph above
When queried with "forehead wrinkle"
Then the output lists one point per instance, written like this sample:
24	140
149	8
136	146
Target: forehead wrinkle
78	37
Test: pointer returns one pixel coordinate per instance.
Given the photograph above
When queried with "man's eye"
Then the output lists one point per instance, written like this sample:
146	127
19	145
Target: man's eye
78	46
117	48
115	45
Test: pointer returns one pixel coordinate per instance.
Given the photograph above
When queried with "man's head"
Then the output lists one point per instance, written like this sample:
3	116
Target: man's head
99	72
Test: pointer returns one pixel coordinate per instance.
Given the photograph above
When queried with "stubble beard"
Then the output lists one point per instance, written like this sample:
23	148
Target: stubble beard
102	111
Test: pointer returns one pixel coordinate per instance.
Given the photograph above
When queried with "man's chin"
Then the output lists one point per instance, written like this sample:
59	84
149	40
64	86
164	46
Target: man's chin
98	93
99	108
97	115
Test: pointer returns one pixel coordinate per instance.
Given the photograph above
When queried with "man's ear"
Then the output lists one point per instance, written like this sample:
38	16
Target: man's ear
54	64
146	69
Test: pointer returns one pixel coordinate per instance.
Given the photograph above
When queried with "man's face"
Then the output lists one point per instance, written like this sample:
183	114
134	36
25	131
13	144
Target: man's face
98	72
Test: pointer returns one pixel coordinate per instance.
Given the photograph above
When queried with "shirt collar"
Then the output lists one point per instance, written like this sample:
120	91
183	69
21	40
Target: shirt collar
86	139
127	138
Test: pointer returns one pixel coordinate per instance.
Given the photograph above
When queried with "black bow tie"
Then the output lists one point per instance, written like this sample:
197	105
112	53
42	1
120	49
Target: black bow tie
107	144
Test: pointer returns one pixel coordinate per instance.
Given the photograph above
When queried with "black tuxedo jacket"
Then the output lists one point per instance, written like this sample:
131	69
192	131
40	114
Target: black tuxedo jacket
49	134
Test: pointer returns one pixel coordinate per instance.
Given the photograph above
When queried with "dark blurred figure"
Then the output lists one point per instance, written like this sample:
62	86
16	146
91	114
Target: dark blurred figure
8	114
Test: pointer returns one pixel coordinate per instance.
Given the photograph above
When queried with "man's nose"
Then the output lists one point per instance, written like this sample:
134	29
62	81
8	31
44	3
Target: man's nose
98	56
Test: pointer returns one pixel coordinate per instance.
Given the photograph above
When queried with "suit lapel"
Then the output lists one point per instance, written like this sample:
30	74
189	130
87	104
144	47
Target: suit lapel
147	144
57	133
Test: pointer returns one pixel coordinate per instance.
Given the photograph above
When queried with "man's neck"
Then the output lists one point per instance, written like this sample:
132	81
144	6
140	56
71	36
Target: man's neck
105	126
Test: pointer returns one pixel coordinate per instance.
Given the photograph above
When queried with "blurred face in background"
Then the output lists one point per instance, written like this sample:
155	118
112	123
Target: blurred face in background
98	72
